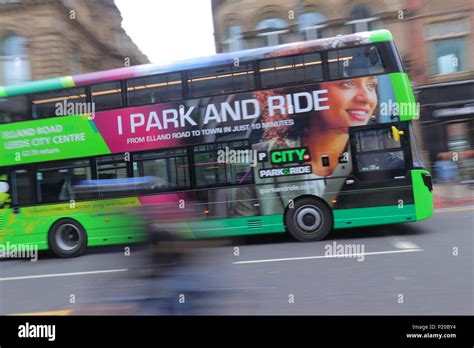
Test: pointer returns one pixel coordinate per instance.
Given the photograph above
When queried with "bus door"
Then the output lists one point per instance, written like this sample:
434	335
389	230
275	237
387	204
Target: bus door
5	200
381	152
22	194
381	161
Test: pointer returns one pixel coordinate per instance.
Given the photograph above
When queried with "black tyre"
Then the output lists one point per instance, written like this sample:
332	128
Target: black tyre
67	238
309	220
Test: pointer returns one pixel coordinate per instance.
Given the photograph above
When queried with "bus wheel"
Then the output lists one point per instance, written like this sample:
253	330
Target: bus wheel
67	238
309	220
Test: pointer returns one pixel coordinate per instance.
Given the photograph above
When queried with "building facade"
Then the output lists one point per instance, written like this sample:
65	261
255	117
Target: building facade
443	42
435	39
45	38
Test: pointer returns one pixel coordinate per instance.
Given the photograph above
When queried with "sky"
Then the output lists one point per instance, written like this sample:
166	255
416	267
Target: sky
169	30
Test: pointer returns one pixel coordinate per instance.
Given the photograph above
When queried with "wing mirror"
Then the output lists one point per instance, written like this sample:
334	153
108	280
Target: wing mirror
396	133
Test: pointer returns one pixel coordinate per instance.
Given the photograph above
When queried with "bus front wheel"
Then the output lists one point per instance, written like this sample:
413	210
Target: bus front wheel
67	238
308	220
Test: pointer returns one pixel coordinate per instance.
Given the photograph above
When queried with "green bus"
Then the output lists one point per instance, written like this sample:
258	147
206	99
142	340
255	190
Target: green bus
302	138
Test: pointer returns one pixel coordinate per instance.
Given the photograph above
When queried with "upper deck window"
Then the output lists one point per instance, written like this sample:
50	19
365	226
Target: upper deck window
155	89
63	102
107	95
14	109
287	71
353	62
220	80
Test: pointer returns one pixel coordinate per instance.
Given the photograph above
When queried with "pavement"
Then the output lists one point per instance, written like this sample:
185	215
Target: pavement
453	194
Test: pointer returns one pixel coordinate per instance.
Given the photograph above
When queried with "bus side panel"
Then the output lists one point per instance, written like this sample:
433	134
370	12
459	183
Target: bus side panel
358	217
105	222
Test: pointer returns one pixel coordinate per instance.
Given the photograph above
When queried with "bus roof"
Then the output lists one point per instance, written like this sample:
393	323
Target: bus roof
218	59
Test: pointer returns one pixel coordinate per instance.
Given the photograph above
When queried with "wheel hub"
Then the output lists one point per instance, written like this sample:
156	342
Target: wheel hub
308	218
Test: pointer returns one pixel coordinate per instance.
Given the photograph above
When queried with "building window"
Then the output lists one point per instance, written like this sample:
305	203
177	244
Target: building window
234	40
447	41
75	61
16	66
311	25
361	19
272	31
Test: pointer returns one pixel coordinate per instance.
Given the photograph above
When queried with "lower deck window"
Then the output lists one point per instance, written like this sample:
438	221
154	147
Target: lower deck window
223	164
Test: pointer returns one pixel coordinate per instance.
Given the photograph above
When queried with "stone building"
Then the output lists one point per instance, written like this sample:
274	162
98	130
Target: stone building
46	38
247	24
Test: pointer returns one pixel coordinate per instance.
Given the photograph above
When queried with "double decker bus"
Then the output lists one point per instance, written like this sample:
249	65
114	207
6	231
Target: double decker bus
304	137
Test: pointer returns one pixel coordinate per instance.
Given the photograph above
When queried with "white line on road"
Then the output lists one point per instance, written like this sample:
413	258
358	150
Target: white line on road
450	210
327	257
404	244
63	274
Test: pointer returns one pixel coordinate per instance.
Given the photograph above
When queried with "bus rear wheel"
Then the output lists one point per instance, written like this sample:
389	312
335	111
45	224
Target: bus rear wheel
309	220
67	238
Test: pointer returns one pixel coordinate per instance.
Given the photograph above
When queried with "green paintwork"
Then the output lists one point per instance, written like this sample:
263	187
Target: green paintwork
358	217
380	35
3	93
32	224
423	196
343	218
39	86
53	151
67	82
237	226
408	109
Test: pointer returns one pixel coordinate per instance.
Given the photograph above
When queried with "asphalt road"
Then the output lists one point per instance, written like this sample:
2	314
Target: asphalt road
422	268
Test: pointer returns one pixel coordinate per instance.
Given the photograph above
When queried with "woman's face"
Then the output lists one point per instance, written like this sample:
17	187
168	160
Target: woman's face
351	102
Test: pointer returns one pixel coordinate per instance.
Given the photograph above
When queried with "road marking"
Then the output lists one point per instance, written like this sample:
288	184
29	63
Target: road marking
60	312
450	210
63	274
327	256
404	244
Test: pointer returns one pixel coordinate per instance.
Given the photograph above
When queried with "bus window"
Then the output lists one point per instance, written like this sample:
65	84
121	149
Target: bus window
112	176
376	150
62	102
155	89
243	78
22	187
356	61
312	68
302	69
55	183
277	72
164	170
14	109
234	170
107	95
220	80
